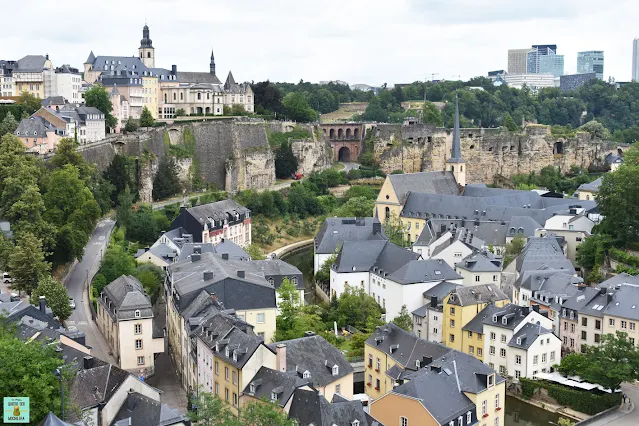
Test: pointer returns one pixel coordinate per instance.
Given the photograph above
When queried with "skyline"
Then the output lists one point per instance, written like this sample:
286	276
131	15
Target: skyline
357	41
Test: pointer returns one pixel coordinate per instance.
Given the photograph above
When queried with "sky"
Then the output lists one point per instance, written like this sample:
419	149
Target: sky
357	41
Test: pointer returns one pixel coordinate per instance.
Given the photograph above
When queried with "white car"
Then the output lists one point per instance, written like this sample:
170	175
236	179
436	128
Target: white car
71	303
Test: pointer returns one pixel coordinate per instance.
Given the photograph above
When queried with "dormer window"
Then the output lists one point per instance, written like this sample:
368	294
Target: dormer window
572	315
227	352
494	318
273	396
252	387
469	417
355	423
504	321
335	370
563	312
137	313
234	356
417	364
491	380
519	340
306	375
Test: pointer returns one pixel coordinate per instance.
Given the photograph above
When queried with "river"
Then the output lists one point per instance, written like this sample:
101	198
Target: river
518	413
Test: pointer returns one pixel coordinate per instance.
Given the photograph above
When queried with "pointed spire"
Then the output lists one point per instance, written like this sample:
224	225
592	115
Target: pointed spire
146	38
212	65
230	81
455	156
90	59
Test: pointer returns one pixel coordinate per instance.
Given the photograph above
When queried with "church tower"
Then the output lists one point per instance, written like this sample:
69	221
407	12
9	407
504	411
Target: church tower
456	163
212	65
147	51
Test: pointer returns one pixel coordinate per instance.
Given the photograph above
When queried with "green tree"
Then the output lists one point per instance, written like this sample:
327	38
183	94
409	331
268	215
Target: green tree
513	249
56	296
268	97
509	123
30	103
238	109
28	369
121	173
432	115
146	118
323	275
142	226
180	112
131	125
596	130
619	204
356	207
375	112
99	98
6	247
404	320
151	277
255	252
166	182
27	264
296	107
124	212
394	230
209	410
264	413
614	361
8	124
116	262
356	308
360	191
285	161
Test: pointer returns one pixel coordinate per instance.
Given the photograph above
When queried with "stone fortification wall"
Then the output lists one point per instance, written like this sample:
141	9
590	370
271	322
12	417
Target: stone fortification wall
487	152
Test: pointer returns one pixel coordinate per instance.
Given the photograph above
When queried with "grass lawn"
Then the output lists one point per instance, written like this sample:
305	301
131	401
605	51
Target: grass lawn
338	166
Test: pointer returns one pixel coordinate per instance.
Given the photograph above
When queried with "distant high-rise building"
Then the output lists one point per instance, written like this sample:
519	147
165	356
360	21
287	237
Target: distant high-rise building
551	64
517	61
635	59
591	61
533	58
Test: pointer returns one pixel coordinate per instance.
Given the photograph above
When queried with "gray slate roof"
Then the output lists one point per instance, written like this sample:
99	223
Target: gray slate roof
34	126
317	356
141	410
590	187
31	63
198	77
543	252
621	278
480	262
278	270
440	291
476	325
233	250
53	100
528	333
53	420
335	230
406	347
523	226
376	255
217	210
267	379
483	293
625	302
514	315
426	182
309	407
489	232
126	295
418	271
96	385
129	63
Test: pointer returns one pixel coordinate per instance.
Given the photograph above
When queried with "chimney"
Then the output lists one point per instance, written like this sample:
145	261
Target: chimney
43	305
240	274
426	360
88	362
436	368
225	256
280	353
174	69
608	299
130	403
377	227
197	249
433	301
195	257
603	291
208	275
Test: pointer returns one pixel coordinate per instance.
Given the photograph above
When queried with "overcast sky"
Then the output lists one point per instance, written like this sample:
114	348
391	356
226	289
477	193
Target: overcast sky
358	41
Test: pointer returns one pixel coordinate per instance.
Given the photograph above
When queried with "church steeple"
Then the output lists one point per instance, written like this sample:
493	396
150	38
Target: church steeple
212	65
455	163
147	51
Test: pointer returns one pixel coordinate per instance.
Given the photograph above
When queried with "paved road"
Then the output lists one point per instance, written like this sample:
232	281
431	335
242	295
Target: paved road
349	166
75	283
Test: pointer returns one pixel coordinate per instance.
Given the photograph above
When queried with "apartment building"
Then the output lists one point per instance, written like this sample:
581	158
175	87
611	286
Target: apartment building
32	74
428	319
480	268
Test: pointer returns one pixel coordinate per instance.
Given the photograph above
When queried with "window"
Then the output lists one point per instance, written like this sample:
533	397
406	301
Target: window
632	325
140	360
497	401
518	359
379	364
370	360
492	350
624	324
476	278
583	335
565	326
138	328
452	310
469	417
502	353
572	342
611	322
137	313
502	370
517	374
484	407
471	350
226	394
543	357
338	388
470	334
572	328
138	343
377	384
217	368
452	337
494	277
260	318
355	423
584	321
552	355
597	338
234	378
503	338
496	422
460	420
306	375
226	373
480	352
403	421
335	370
492	335
632	341
535	359
452	323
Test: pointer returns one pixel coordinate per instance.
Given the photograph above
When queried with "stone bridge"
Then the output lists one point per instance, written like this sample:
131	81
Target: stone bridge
345	139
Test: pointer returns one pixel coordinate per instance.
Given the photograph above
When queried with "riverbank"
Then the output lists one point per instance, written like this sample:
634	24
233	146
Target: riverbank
552	408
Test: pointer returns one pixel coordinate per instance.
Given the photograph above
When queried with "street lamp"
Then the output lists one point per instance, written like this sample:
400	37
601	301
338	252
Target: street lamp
58	374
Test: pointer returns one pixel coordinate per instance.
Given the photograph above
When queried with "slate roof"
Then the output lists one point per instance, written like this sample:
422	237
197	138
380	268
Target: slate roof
163	251
22	312
266	380
376	255
217	210
317	356
545	289
127	296
441	386
612	158
459	234
128	63
34	126
53	100
543	252
53	420
528	333
483	293
440	291
229	84
406	347
514	315
476	325
582	297
90	59
418	271
523	226
335	230
96	385
618	279
427	182
233	250
140	410
590	187
279	268
480	262
489	232
220	277
223	331
309	407
31	63
625	302
198	77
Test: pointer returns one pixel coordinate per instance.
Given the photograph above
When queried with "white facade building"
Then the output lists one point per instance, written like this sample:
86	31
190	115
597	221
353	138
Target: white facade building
533	81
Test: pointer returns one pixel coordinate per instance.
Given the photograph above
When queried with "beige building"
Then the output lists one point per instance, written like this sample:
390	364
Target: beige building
125	318
517	61
588	191
32	74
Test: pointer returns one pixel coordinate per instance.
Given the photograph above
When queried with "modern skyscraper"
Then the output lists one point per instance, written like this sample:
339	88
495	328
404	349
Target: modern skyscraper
591	61
534	55
635	59
551	64
517	61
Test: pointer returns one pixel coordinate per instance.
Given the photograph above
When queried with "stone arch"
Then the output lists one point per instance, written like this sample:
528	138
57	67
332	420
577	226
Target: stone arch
558	148
344	154
199	110
356	133
348	133
331	134
340	133
174	135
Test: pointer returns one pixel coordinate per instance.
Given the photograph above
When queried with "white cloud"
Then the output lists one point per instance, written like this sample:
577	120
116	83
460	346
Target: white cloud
357	41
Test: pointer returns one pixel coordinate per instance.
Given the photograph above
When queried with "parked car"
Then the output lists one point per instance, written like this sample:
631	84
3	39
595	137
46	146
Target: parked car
6	278
296	176
71	303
